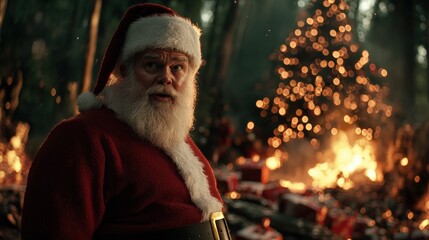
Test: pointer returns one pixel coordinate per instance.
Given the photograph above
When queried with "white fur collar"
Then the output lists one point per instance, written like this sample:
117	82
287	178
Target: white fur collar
192	172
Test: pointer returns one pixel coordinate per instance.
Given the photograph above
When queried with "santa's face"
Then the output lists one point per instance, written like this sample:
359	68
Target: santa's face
156	97
161	69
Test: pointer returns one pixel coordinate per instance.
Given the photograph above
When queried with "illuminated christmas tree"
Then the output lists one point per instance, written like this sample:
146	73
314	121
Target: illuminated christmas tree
327	83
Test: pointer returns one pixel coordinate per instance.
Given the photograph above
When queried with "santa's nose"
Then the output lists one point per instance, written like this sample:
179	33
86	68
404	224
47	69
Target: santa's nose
165	78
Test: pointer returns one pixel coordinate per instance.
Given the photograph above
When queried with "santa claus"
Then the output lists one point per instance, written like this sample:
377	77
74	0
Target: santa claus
125	167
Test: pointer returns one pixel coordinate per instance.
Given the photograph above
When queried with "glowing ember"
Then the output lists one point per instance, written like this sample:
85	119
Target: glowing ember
273	163
266	222
404	161
233	195
293	186
424	224
423	206
349	159
11	155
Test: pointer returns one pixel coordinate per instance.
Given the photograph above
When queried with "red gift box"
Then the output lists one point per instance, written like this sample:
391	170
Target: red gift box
273	190
250	188
341	223
361	225
227	181
269	191
303	207
257	232
256	172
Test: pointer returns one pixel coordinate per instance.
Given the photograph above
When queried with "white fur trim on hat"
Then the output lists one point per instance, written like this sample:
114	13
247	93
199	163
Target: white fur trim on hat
164	32
87	101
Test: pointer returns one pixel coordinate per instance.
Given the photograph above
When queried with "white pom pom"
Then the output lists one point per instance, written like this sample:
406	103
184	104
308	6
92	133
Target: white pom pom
87	101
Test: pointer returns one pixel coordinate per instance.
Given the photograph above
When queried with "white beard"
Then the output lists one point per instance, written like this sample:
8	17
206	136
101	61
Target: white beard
163	124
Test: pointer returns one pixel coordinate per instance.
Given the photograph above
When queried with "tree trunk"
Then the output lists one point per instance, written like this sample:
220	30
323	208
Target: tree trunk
3	5
226	47
427	50
92	45
406	26
354	21
218	56
216	76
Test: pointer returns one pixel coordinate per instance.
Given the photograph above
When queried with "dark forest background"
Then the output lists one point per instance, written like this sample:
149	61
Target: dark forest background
50	52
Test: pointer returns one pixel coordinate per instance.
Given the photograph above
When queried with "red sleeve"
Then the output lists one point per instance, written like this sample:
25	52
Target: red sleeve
64	195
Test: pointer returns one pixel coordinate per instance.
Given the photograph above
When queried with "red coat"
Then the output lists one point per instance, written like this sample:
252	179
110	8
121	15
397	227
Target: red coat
94	177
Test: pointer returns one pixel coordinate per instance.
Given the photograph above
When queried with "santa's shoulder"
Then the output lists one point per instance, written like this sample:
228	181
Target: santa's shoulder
92	122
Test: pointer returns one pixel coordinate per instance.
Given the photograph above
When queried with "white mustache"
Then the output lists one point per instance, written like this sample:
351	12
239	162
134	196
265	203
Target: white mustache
165	90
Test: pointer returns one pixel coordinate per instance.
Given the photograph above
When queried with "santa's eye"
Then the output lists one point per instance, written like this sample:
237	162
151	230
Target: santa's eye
177	68
151	66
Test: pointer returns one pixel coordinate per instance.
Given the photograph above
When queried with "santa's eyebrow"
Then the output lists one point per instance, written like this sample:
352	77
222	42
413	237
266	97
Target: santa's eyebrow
179	58
157	56
152	56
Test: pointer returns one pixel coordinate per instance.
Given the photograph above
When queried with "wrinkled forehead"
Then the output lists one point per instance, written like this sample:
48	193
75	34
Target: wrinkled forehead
164	55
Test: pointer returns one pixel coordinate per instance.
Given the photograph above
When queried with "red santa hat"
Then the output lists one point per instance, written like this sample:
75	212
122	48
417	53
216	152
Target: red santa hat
145	26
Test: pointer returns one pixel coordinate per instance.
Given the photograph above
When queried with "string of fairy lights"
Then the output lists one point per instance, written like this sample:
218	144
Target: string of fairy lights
327	82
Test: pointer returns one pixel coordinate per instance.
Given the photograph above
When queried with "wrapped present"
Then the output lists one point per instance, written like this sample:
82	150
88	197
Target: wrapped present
302	207
250	188
227	181
259	232
293	228
341	223
362	224
269	191
255	171
273	190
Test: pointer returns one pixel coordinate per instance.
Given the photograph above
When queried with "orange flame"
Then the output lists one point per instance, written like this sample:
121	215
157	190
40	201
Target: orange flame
349	159
423	205
297	187
11	155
